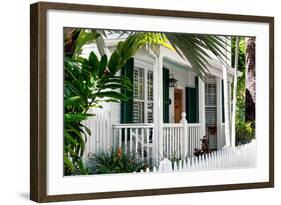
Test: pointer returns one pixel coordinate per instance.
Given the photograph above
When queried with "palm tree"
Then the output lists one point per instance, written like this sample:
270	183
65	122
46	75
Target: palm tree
191	47
250	104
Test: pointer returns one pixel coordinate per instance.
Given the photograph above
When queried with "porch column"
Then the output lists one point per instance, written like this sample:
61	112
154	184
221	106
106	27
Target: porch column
159	84
226	107
158	108
232	138
220	134
201	91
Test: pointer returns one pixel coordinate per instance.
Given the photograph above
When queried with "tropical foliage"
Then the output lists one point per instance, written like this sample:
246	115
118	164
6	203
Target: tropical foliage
240	104
197	49
88	82
245	131
115	161
250	106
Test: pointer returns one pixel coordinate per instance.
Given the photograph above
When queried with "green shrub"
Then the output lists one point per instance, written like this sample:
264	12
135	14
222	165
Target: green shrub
115	161
244	132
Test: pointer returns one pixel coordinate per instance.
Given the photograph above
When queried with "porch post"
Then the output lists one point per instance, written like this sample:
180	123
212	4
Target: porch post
159	101
232	143
201	91
157	149
155	140
185	136
220	135
226	107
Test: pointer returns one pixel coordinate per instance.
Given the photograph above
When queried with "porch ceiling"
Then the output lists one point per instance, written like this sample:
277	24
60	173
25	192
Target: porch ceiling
169	63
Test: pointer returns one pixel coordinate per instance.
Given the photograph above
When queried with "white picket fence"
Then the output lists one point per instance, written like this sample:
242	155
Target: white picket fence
243	156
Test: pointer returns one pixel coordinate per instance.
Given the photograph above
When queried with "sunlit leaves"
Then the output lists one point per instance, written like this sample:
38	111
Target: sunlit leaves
88	82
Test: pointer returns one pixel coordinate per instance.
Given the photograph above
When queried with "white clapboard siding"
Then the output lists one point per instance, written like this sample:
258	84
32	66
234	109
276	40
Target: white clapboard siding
101	128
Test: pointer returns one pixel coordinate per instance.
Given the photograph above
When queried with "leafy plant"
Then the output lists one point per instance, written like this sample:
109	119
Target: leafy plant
194	48
204	147
241	88
115	161
244	132
87	83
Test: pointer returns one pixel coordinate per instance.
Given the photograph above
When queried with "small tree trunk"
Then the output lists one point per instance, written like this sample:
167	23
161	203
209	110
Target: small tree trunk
250	104
234	93
227	110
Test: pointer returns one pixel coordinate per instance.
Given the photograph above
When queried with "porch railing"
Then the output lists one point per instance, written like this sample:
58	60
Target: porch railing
134	138
173	141
178	139
195	133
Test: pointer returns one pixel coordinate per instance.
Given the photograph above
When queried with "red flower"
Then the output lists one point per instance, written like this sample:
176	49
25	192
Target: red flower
119	152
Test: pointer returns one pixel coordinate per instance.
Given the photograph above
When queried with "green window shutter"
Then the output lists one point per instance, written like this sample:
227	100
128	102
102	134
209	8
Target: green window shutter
127	106
166	100
222	105
192	103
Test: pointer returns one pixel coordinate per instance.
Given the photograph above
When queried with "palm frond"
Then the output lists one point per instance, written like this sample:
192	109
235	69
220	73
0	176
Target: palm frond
194	48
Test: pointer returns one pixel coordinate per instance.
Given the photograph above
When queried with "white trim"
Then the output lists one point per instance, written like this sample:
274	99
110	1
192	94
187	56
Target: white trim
176	65
145	95
155	140
201	91
145	63
159	101
230	111
219	114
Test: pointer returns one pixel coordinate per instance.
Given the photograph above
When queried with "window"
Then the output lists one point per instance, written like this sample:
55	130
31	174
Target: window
149	96
143	95
211	101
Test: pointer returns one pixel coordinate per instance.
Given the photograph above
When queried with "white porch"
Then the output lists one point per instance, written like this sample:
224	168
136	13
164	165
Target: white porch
154	141
151	138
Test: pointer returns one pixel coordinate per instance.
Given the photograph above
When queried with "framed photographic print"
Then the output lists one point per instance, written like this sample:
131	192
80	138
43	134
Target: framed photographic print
134	102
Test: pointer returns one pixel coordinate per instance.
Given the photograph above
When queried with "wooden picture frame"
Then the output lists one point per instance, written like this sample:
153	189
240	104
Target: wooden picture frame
38	100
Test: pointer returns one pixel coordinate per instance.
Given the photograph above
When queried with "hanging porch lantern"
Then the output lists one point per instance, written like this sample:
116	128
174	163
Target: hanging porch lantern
172	81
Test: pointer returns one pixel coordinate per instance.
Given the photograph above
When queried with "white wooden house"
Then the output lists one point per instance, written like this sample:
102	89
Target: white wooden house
160	120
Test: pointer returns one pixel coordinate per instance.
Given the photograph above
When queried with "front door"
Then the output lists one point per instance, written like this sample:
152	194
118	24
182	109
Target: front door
178	104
